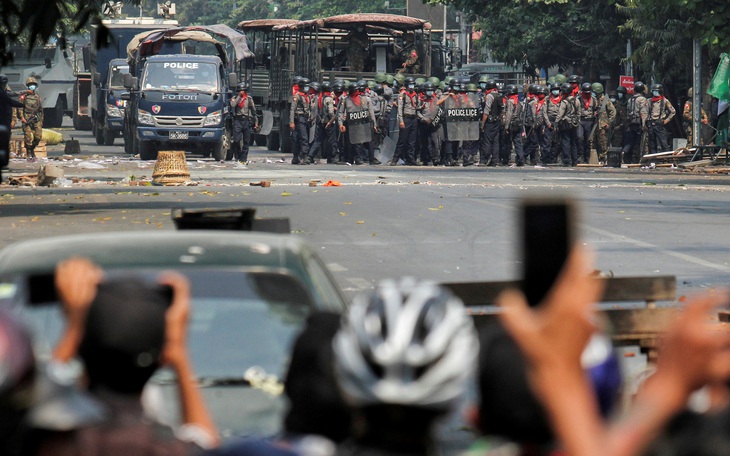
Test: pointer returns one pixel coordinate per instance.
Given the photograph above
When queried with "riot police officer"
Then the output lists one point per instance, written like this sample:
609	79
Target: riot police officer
299	121
244	115
408	123
634	134
587	107
489	132
661	112
356	117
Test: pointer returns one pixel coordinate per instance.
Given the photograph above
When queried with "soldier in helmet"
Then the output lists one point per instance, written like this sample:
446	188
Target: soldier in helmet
244	122
32	117
407	122
606	120
587	110
687	114
661	112
513	123
637	113
299	122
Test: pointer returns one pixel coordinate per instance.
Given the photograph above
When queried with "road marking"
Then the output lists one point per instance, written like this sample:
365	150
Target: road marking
361	284
334	267
656	248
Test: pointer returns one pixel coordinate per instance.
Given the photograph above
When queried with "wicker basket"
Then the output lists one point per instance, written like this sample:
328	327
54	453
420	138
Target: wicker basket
171	168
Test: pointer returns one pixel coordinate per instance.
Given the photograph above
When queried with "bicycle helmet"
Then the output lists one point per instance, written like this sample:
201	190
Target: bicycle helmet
405	343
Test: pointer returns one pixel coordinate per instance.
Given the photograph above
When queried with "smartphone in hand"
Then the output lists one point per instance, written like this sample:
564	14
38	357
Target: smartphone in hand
547	235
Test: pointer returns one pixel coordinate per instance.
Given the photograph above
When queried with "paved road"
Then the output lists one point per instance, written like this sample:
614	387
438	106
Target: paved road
447	224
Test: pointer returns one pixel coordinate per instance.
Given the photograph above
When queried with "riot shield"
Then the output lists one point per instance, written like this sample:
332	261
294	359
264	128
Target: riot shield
386	151
267	122
358	122
461	117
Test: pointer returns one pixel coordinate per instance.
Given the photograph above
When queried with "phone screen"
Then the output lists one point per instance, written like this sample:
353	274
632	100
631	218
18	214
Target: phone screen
547	235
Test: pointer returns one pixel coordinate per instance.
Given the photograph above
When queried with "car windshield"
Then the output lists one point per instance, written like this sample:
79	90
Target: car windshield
239	321
116	76
190	76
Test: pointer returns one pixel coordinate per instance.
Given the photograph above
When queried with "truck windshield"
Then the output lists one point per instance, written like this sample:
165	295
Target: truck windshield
116	76
181	76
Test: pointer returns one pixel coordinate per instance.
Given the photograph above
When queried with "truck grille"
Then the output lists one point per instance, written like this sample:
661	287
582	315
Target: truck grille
179	121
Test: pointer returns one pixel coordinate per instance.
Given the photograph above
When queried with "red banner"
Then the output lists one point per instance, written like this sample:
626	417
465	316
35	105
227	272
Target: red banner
628	82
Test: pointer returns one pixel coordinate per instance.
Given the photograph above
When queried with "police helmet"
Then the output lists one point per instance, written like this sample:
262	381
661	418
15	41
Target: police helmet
326	87
362	85
352	87
566	88
586	87
597	87
555	86
639	87
453	82
657	88
241	87
378	88
296	80
574	79
532	88
380	78
338	87
315	86
490	84
303	82
31	80
621	89
512	89
434	80
560	78
409	80
543	90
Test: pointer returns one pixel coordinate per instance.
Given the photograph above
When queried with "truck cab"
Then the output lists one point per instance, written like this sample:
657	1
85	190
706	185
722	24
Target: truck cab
179	102
112	92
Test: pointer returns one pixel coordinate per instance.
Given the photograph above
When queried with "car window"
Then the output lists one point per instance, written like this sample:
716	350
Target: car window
323	282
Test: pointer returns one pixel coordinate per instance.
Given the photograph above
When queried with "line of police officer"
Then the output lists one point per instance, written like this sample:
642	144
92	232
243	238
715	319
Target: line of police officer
456	123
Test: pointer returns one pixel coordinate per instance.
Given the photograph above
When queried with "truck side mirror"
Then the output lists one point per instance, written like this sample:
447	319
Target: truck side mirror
130	82
96	78
232	80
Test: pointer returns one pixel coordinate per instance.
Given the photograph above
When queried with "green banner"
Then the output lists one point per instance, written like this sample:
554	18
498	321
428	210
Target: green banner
720	85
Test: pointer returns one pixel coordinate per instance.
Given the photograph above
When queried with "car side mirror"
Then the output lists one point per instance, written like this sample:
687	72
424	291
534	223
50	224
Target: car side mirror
130	82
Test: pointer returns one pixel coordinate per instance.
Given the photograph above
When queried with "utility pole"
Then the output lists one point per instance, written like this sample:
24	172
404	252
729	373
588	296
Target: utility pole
696	92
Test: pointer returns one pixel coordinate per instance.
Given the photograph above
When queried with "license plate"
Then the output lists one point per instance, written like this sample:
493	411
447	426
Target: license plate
178	135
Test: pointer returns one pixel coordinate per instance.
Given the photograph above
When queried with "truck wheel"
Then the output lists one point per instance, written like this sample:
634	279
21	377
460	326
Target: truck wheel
272	140
260	140
99	135
147	151
108	137
221	149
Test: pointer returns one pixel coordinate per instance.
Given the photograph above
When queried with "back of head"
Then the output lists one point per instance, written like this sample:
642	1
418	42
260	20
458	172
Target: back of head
508	407
124	335
315	403
407	343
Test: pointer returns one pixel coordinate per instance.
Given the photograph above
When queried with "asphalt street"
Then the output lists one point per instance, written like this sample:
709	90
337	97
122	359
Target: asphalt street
445	224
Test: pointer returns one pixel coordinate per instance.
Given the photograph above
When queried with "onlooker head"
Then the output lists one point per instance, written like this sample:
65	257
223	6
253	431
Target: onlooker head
402	359
124	335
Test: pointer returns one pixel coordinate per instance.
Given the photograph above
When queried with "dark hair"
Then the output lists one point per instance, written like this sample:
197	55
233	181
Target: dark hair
508	406
316	405
124	335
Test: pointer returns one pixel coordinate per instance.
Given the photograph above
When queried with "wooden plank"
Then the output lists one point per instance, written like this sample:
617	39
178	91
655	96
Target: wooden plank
618	289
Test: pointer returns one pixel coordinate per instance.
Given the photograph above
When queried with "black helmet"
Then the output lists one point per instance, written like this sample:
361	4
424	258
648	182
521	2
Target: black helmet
378	88
241	86
585	87
532	89
574	79
303	82
621	89
296	80
658	88
409	81
427	86
566	88
315	86
555	86
542	89
512	89
362	84
338	86
326	87
352	87
454	83
639	87
490	84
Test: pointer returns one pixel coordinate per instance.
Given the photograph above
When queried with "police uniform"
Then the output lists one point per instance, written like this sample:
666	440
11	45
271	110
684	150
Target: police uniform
587	113
661	112
514	127
637	112
541	105
430	140
552	132
530	121
244	115
325	133
564	125
356	110
490	131
299	116
408	122
32	118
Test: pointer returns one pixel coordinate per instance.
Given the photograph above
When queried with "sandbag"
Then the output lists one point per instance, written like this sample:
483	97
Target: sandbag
51	137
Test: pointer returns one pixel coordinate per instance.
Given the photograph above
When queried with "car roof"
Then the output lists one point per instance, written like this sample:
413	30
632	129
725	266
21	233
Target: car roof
185	57
164	249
